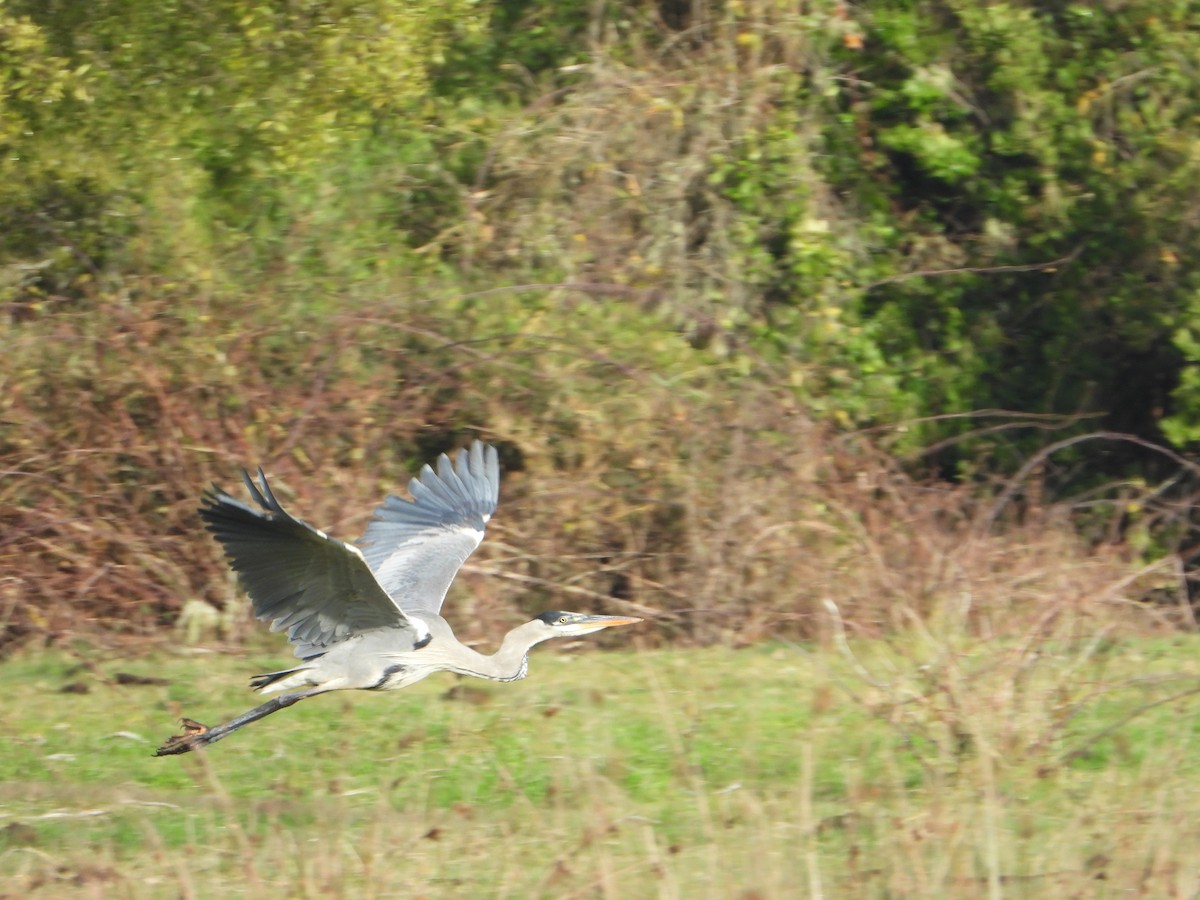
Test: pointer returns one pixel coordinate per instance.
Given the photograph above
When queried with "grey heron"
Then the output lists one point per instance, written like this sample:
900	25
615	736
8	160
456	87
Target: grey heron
367	617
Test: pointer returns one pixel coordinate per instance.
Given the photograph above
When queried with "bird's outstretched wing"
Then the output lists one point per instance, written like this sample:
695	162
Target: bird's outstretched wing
299	578
416	547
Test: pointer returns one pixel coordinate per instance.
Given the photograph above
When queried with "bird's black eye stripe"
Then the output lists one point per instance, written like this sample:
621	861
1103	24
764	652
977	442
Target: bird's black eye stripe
422	642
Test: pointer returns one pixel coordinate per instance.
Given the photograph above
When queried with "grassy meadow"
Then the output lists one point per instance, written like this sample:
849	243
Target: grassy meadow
1063	763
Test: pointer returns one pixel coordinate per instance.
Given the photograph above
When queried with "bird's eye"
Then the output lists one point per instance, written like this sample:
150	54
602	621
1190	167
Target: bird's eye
562	620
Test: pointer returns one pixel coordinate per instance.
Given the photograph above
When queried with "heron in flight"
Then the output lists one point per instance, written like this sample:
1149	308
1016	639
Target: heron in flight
367	617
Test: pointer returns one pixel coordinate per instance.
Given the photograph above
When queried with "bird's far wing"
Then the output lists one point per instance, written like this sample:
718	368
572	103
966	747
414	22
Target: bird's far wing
416	547
300	579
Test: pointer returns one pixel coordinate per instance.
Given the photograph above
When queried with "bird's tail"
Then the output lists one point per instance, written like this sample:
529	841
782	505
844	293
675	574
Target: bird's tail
258	682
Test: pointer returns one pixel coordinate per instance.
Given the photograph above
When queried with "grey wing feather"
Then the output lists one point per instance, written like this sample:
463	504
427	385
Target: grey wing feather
416	547
318	588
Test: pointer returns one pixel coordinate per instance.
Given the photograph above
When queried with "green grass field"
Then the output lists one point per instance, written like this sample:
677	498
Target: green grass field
915	767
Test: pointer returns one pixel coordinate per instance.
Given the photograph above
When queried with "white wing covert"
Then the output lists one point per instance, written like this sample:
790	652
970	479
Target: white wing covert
318	588
416	547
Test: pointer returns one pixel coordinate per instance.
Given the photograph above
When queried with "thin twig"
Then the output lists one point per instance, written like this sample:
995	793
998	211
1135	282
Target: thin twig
987	521
979	270
566	588
1121	723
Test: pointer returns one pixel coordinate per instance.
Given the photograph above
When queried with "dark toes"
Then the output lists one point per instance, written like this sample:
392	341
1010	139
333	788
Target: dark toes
193	736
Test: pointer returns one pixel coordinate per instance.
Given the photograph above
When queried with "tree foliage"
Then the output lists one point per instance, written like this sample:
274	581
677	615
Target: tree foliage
1016	134
906	209
205	113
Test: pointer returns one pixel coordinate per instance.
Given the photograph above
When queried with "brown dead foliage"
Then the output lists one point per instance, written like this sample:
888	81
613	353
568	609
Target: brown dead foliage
116	419
717	509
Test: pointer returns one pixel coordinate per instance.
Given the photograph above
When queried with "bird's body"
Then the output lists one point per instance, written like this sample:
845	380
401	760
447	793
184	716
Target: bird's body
378	660
369	618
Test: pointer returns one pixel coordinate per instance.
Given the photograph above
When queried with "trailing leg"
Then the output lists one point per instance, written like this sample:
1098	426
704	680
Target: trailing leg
196	735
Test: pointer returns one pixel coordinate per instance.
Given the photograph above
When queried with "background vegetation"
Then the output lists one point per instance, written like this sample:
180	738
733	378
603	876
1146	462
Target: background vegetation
666	254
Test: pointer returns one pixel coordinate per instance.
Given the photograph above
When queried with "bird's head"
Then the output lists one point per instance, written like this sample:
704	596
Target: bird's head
568	624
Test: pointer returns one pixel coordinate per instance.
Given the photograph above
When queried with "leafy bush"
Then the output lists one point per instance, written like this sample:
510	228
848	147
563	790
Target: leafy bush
225	104
1013	135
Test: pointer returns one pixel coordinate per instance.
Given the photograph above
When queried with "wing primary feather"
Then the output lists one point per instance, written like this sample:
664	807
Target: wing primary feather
450	477
255	493
472	463
493	473
422	493
438	483
271	503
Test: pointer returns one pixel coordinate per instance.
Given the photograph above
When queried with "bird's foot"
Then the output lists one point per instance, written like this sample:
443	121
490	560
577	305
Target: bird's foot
193	736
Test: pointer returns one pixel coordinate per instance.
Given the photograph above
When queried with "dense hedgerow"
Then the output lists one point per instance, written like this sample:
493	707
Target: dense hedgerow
665	254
